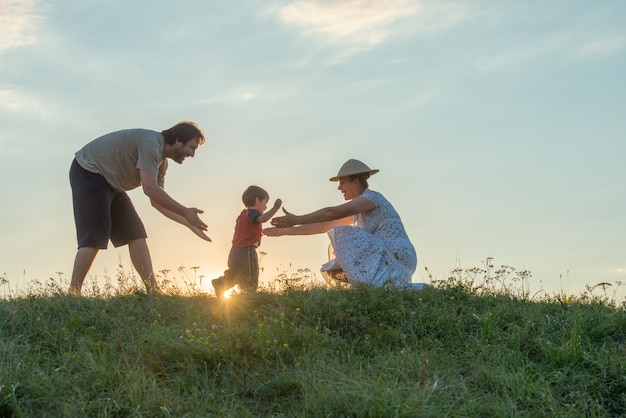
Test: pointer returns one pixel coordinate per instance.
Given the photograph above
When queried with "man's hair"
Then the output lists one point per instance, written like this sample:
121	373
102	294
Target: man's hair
184	132
251	193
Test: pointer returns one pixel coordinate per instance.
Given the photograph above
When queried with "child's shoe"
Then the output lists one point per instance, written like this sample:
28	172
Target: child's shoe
219	286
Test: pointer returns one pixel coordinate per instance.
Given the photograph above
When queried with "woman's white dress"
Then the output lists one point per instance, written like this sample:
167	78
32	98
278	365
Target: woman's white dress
374	251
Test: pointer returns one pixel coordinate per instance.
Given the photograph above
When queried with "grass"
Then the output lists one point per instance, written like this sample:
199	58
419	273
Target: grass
467	346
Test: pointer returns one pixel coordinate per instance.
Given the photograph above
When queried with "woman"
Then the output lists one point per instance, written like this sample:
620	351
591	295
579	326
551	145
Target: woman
367	236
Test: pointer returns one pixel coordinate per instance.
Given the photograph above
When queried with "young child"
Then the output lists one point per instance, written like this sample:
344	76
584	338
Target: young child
243	262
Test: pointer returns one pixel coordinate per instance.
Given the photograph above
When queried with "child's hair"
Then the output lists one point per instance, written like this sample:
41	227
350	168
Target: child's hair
251	193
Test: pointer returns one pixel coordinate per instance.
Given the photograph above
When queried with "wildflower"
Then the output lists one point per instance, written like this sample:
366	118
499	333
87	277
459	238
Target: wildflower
214	327
285	345
298	309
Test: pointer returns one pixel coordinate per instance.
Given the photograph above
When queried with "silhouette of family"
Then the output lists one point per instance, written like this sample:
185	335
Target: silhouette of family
368	241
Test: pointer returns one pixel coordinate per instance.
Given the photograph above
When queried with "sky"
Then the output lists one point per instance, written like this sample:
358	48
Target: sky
499	128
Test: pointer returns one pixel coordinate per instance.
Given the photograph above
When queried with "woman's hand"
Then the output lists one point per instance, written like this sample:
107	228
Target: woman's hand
285	221
274	232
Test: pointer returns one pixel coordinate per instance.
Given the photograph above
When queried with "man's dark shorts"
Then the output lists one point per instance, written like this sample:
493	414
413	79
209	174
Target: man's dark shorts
100	213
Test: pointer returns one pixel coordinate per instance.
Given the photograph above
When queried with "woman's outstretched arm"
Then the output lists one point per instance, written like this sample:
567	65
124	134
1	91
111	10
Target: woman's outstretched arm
308	229
329	214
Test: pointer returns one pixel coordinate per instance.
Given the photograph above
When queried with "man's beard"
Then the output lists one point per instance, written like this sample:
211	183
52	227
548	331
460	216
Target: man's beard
179	157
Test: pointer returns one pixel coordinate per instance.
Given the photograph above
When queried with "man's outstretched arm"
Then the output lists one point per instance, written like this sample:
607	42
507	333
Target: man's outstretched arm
171	208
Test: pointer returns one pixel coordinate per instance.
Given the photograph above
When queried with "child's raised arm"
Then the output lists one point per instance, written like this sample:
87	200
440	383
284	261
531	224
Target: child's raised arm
264	217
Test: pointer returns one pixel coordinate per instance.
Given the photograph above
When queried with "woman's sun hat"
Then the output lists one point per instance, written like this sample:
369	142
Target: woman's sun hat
352	167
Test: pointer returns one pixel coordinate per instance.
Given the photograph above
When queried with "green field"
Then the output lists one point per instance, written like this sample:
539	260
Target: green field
455	349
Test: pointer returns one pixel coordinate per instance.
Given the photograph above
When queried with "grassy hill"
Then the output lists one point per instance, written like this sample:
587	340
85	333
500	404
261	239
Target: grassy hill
451	350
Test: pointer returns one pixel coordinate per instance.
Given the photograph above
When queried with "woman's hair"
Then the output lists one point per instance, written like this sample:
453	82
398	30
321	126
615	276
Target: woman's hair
251	193
184	132
362	179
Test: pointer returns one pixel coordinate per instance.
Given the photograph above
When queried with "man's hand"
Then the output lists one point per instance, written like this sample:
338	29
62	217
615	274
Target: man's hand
191	215
200	233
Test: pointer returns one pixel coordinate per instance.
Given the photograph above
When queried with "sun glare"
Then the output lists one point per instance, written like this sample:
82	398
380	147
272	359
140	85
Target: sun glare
207	286
231	292
207	277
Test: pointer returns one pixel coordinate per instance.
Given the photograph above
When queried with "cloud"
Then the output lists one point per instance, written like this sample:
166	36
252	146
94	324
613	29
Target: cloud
17	23
516	55
566	44
356	26
245	94
266	93
351	21
562	43
510	58
12	100
602	47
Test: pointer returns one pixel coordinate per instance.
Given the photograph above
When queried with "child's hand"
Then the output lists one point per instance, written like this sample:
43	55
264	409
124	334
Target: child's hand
278	204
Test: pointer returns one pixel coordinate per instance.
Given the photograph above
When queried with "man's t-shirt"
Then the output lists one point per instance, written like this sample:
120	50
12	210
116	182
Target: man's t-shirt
118	157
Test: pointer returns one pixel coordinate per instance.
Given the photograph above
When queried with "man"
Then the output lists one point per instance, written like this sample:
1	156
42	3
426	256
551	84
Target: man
102	172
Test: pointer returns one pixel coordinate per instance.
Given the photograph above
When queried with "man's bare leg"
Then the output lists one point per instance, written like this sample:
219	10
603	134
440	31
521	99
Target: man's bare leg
82	264
140	256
